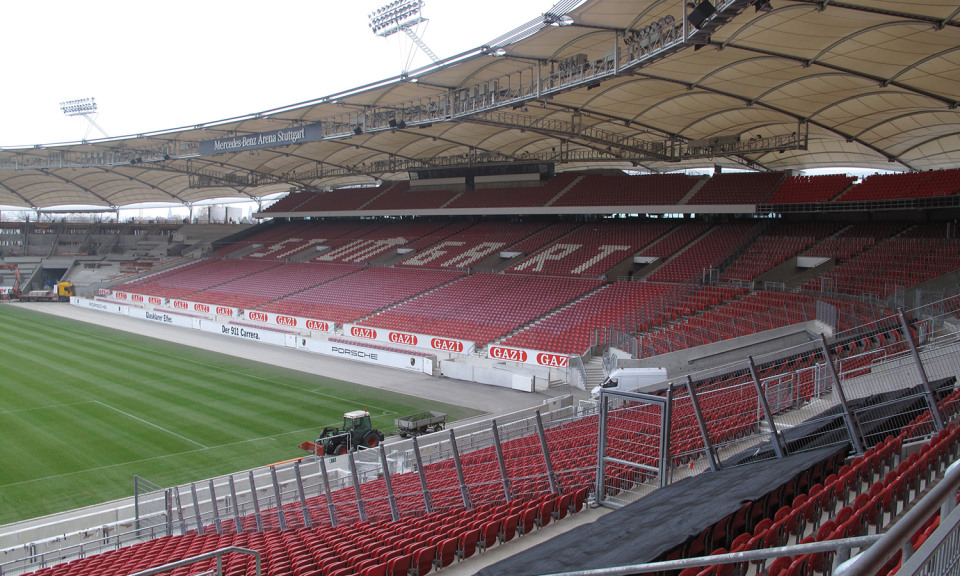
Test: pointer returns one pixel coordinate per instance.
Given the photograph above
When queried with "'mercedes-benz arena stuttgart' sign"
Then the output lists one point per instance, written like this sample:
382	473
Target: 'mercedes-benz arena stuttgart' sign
282	137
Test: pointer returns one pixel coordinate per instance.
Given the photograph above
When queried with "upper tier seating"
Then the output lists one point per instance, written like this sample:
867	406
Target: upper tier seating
904	185
289	203
509	196
592	189
737	188
625	190
800	189
342	199
399	196
482	307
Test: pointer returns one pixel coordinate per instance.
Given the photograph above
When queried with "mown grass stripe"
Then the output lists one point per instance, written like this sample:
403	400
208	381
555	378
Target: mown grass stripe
64	384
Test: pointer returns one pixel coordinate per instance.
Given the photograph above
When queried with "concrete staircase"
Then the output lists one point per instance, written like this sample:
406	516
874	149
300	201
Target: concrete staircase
595	372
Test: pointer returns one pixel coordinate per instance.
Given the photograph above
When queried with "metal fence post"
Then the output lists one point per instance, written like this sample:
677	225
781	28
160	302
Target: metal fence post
216	510
551	476
236	506
665	424
504	478
303	497
326	492
196	507
762	397
707	445
394	513
427	502
168	507
183	524
256	502
281	518
602	446
464	491
361	511
928	390
853	427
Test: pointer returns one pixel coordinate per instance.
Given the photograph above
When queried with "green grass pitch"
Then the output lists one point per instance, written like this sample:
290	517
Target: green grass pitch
85	408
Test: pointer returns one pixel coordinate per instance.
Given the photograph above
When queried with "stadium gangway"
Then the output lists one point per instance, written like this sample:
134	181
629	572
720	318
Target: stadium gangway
936	556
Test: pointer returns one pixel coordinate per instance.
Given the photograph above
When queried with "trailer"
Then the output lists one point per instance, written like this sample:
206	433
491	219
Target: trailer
59	292
420	423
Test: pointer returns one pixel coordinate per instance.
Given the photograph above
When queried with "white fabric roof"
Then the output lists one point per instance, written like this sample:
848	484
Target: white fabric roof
865	83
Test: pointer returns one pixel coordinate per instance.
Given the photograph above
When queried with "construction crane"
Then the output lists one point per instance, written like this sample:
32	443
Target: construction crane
15	290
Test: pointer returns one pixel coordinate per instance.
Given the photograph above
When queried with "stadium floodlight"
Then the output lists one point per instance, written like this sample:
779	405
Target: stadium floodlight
389	19
85	107
80	107
401	16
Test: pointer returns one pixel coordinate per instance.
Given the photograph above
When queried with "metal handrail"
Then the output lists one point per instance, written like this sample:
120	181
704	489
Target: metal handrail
218	554
942	497
839	546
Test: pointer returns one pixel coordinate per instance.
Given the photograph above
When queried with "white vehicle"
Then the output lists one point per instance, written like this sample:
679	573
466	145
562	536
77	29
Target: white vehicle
630	380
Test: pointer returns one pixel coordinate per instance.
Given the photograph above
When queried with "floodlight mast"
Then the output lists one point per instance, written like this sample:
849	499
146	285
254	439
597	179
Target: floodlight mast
83	107
401	16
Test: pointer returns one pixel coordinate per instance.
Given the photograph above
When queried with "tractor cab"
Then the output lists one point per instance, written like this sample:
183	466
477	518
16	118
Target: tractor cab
358	419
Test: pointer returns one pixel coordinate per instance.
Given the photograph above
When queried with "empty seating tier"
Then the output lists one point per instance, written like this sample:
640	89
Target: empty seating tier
482	307
348	298
592	249
624	190
800	189
737	188
905	185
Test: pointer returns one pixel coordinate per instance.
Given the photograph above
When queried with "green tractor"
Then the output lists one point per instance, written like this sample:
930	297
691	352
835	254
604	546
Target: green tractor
357	431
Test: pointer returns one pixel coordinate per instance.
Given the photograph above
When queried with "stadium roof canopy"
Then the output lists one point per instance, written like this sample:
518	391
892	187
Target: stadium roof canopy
638	84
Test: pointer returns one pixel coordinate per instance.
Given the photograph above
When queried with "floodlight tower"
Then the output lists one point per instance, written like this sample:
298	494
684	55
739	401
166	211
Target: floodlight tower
85	107
401	16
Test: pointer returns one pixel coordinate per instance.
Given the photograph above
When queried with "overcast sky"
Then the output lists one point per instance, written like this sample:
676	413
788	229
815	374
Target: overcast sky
159	65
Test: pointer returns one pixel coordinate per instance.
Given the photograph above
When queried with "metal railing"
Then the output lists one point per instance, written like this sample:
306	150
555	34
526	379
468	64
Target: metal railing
218	554
938	555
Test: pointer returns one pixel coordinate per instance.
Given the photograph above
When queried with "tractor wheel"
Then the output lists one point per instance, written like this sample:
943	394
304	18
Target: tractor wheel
334	448
370	439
